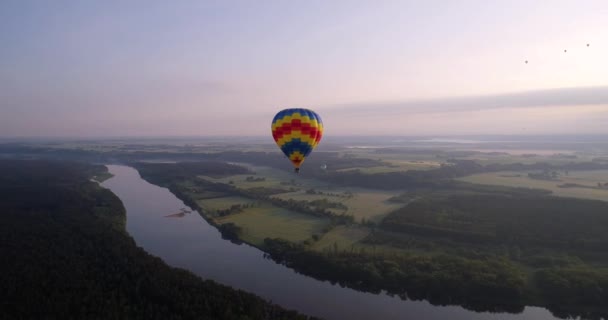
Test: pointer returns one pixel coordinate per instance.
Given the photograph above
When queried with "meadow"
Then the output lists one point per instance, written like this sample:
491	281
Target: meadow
267	221
344	237
589	179
223	203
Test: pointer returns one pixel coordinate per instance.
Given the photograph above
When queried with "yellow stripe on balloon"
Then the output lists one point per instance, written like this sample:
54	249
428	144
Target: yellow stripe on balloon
296	135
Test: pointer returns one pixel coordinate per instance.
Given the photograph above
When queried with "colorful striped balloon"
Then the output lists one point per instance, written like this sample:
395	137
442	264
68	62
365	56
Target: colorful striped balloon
297	132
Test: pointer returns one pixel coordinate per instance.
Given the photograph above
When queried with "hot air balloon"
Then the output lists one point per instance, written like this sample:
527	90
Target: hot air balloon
297	132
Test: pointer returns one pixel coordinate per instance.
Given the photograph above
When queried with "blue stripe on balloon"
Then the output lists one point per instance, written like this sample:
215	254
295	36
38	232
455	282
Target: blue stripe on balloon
288	112
296	145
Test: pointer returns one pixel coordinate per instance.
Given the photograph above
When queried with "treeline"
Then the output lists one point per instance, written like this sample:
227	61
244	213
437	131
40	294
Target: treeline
230	231
184	154
405	179
394	180
66	255
483	282
493	284
316	208
167	172
454	187
322	204
561	223
580	288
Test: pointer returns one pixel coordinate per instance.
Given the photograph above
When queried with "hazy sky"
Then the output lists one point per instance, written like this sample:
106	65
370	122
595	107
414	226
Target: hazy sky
116	68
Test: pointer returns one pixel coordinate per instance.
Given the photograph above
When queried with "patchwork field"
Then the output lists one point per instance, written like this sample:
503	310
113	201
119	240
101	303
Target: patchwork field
363	204
371	205
397	165
588	179
271	178
272	222
223	203
350	238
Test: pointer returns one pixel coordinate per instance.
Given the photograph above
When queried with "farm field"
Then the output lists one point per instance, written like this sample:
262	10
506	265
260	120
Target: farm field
350	238
521	179
222	203
370	205
344	237
271	178
271	222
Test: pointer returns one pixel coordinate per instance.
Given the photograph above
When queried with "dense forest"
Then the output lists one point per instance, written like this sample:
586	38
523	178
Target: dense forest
561	223
490	283
66	255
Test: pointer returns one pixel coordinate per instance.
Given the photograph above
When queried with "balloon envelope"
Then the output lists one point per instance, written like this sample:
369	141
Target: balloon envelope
297	132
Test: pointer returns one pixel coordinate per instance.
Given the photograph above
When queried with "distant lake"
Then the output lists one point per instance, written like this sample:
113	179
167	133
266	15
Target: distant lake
191	243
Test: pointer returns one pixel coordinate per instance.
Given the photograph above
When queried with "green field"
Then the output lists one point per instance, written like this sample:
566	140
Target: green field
372	170
397	165
364	204
272	222
521	179
343	236
222	203
370	204
350	238
272	178
413	164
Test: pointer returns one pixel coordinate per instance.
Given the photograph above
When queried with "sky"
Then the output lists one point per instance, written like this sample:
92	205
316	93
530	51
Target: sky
223	68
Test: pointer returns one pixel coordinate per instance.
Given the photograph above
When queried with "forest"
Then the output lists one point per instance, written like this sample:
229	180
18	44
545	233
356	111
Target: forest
66	255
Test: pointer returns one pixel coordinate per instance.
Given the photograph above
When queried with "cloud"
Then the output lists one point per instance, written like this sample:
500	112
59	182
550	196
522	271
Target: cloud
519	100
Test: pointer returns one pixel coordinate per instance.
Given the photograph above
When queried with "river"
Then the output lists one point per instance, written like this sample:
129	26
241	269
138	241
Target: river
191	243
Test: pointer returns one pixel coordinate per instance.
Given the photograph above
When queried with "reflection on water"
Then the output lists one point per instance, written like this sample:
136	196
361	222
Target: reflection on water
190	243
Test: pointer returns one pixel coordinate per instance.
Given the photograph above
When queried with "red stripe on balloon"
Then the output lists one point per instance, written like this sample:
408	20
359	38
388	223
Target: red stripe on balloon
296	125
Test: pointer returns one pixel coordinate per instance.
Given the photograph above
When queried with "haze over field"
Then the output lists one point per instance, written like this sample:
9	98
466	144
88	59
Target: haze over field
154	68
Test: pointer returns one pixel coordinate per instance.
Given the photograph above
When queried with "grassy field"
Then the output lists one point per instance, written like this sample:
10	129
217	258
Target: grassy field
342	236
272	222
397	165
350	238
409	164
272	178
240	181
521	179
222	203
369	204
554	159
372	170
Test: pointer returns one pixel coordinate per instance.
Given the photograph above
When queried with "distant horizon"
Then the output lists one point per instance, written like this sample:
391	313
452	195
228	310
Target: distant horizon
385	68
269	137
